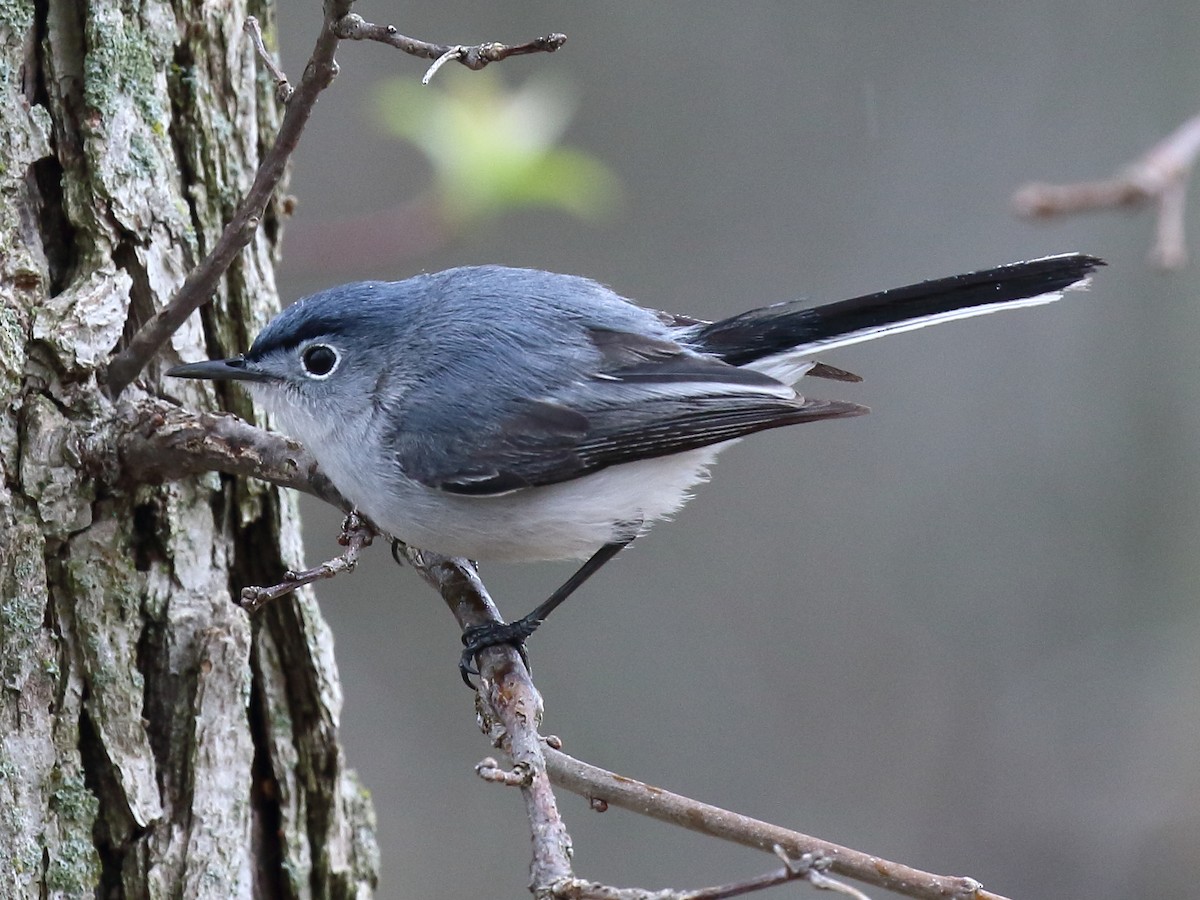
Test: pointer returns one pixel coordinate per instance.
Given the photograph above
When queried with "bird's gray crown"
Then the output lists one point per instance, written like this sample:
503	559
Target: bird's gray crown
331	312
480	298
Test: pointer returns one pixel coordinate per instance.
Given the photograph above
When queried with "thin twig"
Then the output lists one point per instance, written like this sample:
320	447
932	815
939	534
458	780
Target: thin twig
635	796
200	283
354	28
813	868
1159	176
490	770
357	533
283	87
452	53
808	868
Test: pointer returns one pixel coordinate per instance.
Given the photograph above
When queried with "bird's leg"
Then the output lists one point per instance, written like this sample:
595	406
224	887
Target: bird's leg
480	637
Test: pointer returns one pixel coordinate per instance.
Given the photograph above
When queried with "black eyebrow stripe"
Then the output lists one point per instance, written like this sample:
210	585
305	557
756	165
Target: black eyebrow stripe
314	327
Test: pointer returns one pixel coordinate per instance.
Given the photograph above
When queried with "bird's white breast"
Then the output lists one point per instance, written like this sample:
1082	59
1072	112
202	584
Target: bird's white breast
561	521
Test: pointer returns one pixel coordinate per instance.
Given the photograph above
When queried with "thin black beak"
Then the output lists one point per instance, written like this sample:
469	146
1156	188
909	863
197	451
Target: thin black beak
234	369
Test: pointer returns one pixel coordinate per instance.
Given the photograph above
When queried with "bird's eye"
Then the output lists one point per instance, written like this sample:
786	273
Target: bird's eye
319	360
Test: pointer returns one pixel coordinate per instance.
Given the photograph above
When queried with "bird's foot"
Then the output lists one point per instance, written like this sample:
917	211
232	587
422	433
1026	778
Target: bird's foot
477	638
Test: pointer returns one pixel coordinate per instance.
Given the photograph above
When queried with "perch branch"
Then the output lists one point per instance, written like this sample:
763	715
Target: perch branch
1160	176
510	711
155	441
353	27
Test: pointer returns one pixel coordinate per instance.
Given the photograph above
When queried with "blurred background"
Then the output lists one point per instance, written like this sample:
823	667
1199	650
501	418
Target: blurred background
960	632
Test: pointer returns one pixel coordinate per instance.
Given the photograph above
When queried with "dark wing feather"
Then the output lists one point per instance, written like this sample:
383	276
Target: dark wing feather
519	459
647	398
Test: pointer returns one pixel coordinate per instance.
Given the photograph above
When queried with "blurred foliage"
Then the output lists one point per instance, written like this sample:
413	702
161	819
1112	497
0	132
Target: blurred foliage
493	149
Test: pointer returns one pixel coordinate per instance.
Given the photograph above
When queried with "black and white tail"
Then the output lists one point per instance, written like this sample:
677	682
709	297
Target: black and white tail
770	337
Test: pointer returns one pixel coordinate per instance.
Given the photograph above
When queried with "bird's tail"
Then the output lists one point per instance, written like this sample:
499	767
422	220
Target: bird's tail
791	330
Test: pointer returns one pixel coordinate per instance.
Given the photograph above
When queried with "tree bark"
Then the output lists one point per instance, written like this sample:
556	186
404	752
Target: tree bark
155	741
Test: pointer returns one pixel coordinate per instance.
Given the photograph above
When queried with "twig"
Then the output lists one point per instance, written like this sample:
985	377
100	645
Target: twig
283	87
812	868
490	770
1159	176
807	868
354	28
357	533
452	53
635	796
198	287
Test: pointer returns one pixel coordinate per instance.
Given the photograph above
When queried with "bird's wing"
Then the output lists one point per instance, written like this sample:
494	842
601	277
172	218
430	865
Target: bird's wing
648	397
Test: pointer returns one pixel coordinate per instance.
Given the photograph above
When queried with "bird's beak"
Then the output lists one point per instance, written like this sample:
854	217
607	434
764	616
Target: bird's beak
234	369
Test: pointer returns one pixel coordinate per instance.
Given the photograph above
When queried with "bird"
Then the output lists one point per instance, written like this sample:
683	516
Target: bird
514	414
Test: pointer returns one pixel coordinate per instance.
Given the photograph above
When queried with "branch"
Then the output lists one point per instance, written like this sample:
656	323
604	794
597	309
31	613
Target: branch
598	784
810	869
510	711
354	28
156	441
1159	176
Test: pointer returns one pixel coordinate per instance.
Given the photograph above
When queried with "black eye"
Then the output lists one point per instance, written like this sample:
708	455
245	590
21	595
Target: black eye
319	360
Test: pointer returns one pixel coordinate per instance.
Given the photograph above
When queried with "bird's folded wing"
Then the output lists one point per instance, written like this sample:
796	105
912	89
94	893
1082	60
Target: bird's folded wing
646	399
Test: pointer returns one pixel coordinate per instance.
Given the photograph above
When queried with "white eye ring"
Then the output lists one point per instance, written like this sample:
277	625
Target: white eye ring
319	361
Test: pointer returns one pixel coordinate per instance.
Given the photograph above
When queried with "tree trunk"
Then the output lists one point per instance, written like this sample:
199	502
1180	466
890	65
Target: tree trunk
154	740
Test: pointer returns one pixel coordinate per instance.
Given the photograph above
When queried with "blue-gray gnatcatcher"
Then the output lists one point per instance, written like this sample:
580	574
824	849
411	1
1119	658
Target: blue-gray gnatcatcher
514	414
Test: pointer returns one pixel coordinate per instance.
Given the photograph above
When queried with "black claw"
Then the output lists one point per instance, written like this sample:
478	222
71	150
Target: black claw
466	669
479	637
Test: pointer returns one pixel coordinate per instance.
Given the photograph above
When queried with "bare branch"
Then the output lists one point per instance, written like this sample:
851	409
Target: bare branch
617	790
354	28
283	87
810	869
357	533
1159	176
510	711
157	441
581	889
